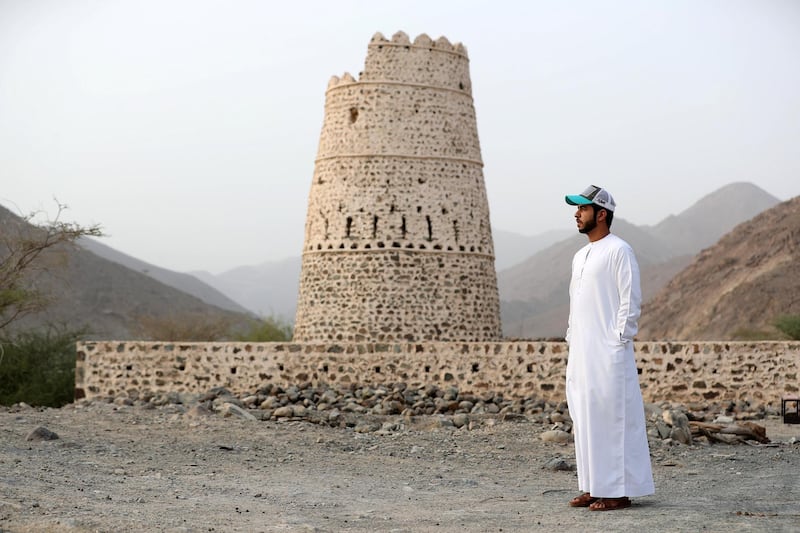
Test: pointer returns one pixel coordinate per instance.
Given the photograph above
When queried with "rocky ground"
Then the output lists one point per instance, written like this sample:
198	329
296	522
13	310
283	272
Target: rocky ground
375	459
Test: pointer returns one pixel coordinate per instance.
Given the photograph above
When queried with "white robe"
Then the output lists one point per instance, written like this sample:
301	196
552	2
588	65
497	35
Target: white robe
605	403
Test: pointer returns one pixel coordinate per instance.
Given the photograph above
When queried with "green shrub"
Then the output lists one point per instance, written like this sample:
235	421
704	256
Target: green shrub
38	368
184	327
268	329
789	325
753	335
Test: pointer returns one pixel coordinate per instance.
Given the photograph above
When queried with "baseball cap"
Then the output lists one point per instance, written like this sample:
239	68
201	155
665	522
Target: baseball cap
592	195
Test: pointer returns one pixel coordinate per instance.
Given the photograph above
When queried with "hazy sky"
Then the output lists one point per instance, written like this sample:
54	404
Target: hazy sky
188	129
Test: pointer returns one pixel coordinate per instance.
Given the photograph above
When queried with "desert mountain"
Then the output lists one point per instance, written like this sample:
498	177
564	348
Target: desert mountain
695	228
739	285
534	294
268	289
511	248
104	297
183	282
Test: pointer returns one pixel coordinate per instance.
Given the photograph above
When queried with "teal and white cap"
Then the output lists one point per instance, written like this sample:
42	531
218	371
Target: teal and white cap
592	195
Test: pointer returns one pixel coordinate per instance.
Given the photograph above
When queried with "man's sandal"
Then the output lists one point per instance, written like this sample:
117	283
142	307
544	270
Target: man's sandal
584	500
610	504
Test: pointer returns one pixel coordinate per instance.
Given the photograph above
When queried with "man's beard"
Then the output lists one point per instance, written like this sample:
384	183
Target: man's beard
588	226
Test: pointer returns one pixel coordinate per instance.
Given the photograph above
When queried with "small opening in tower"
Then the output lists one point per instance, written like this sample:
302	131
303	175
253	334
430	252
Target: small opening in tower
348	226
461	85
353	114
456	230
430	227
374	226
403	227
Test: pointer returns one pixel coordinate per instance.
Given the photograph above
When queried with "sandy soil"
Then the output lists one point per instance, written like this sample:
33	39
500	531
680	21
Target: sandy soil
125	468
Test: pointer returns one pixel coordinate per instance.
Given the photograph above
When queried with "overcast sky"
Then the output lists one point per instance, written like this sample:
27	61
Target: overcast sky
188	128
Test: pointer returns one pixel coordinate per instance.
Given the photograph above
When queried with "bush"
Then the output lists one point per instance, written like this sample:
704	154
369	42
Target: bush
184	327
267	330
753	335
38	368
789	325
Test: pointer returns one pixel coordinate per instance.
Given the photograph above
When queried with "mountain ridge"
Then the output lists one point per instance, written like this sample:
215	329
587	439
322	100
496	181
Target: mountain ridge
661	250
183	282
534	292
740	284
103	298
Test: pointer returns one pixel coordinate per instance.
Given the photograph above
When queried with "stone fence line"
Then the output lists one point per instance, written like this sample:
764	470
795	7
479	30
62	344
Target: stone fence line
680	372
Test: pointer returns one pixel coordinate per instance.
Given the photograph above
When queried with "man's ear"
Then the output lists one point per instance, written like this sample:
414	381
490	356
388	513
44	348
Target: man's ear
601	215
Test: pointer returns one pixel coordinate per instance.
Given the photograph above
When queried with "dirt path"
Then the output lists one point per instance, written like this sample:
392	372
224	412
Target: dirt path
118	468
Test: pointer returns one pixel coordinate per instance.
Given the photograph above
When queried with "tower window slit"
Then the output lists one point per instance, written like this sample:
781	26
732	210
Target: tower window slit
430	227
348	226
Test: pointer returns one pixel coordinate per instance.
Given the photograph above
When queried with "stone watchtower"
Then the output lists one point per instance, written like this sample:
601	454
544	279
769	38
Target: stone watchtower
398	245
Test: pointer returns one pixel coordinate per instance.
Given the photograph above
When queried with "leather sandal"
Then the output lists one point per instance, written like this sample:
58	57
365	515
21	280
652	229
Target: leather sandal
584	500
610	504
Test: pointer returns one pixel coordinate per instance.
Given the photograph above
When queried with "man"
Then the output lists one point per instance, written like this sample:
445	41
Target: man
605	402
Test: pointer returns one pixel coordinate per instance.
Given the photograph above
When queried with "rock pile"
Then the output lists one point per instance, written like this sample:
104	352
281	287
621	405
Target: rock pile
370	408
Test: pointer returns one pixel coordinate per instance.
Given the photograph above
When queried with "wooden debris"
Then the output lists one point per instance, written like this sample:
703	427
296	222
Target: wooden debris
738	433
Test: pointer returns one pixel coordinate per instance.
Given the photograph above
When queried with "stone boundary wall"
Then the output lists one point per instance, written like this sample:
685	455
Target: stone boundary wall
679	372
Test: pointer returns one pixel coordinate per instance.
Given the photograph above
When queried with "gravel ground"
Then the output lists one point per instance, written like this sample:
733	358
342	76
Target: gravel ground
140	467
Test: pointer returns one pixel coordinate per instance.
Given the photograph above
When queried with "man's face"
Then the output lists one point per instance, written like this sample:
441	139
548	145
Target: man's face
585	218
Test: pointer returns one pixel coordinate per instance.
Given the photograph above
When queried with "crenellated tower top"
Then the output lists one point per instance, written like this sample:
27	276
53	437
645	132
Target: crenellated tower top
425	61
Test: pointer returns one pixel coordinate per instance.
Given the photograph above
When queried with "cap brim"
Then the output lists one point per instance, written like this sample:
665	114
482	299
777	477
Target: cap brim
577	199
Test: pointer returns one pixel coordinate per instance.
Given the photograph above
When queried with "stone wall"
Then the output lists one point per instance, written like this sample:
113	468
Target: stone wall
685	372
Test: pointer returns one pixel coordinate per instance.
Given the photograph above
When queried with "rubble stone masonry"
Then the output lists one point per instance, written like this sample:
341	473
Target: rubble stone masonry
680	372
398	244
